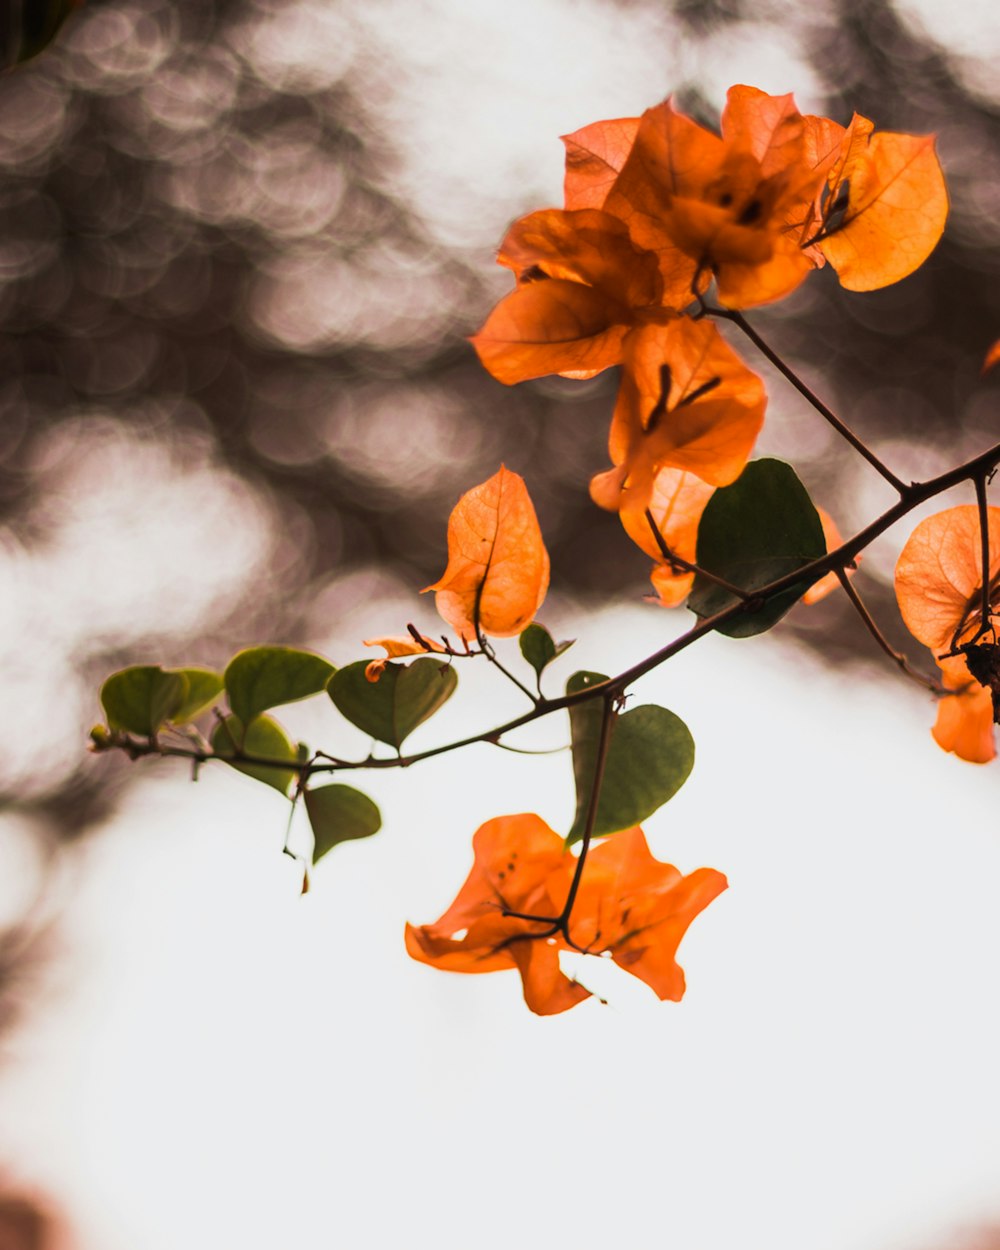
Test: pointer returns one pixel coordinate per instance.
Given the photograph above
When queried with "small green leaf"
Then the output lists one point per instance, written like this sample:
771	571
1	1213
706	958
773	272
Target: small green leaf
140	699
392	707
264	677
751	533
263	737
539	649
339	814
650	758
203	687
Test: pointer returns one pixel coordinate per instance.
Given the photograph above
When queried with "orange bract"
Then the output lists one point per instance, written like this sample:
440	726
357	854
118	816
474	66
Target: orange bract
939	576
397	647
686	401
991	357
594	155
676	503
629	905
520	865
964	719
638	909
498	568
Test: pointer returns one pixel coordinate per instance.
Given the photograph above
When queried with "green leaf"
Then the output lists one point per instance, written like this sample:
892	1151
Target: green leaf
751	533
392	707
264	677
339	814
139	699
263	737
203	688
650	758
538	648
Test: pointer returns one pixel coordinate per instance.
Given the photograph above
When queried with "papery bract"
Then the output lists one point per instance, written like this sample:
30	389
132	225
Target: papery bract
964	722
396	648
676	503
498	568
939	576
594	156
520	865
638	909
687	401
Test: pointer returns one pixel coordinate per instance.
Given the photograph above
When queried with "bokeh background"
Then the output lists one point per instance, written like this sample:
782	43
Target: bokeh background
241	245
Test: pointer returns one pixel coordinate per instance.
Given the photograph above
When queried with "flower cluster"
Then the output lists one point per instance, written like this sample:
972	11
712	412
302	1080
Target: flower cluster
657	209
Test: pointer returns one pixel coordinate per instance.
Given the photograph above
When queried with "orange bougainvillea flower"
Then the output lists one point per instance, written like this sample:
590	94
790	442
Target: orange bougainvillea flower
520	865
676	503
498	568
939	576
629	905
686	401
722	205
637	909
582	285
769	199
965	718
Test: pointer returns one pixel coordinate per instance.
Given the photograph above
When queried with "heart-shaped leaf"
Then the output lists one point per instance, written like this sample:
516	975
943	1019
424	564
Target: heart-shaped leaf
650	758
539	648
403	697
758	529
339	814
263	737
140	699
264	677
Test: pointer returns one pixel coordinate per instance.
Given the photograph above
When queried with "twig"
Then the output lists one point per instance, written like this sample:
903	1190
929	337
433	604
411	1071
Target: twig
896	656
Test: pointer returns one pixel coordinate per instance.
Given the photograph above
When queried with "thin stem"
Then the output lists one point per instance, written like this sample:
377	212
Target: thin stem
984	539
490	654
737	318
603	747
678	563
896	656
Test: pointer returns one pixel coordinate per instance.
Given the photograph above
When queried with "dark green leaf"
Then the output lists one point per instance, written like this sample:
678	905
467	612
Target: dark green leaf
203	688
264	737
538	648
651	755
264	677
392	707
140	699
751	533
339	814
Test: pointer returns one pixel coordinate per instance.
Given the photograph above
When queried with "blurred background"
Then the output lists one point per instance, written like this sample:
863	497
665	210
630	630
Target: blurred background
241	245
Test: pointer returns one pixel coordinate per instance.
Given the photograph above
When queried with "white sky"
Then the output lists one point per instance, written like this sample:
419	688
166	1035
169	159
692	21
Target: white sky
221	1063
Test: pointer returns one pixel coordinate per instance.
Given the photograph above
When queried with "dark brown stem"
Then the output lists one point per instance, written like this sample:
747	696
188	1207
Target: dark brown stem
984	539
490	654
678	563
603	747
894	655
828	415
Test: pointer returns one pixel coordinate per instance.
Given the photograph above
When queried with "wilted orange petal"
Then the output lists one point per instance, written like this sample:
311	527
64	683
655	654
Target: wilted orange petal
396	647
896	209
964	722
938	575
498	568
551	326
594	155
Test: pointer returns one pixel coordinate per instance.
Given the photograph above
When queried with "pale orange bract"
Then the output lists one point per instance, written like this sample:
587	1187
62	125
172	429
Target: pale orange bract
594	155
964	722
396	648
498	568
686	401
939	576
676	503
629	905
638	909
